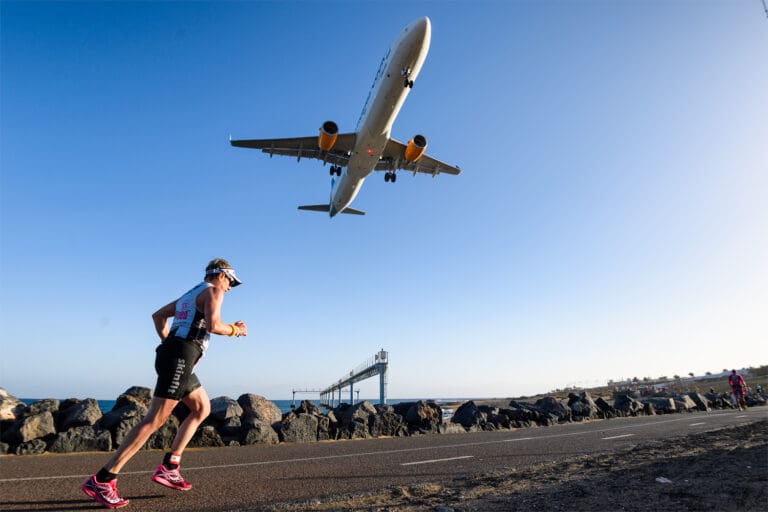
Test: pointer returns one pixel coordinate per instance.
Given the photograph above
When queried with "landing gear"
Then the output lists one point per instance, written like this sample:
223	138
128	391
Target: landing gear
335	169
390	176
406	74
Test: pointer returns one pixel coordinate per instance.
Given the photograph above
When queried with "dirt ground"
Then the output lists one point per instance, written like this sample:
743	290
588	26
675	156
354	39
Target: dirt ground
722	470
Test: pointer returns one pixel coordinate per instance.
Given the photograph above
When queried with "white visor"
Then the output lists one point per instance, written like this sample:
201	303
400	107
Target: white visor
229	272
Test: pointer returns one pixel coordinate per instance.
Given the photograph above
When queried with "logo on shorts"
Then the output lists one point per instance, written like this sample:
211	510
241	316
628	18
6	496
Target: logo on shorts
181	365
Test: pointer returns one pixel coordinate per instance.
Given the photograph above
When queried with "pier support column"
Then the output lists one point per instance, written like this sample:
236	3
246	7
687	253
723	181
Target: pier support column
383	384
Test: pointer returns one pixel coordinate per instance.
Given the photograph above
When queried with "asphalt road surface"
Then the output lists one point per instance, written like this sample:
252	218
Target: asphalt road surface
253	477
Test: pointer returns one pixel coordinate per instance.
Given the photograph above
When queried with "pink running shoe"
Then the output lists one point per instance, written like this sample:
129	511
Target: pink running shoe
104	493
170	478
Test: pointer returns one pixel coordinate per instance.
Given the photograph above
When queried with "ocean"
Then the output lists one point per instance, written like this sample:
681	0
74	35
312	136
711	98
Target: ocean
284	405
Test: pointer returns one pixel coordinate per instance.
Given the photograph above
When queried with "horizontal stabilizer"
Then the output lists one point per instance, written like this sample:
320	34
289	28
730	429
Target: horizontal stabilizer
327	208
316	207
352	211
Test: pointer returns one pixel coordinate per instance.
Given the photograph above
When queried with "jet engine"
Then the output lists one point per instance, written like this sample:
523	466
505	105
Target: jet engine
328	134
416	147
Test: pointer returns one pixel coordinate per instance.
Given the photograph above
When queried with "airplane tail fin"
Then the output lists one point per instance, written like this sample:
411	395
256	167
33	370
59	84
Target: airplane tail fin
327	208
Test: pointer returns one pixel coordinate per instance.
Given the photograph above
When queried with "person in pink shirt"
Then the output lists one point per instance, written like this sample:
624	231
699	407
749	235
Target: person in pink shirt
738	388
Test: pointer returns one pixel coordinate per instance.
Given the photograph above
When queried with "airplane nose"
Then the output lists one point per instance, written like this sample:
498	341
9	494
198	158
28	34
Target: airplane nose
421	27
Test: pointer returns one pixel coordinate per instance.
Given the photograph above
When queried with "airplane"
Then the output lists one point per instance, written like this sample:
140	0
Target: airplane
353	156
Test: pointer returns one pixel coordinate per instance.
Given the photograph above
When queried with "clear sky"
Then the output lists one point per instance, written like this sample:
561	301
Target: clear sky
610	221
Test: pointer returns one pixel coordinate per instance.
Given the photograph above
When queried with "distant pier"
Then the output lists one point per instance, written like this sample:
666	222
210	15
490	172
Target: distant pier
375	365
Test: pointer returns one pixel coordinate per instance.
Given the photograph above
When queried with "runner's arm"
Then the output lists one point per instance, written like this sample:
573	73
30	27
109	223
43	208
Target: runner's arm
212	298
160	319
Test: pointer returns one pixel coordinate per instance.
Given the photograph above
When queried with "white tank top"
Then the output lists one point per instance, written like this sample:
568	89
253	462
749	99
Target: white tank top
189	322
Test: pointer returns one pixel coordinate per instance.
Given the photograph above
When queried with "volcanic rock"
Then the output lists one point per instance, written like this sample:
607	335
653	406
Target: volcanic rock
45	405
86	412
255	431
421	416
10	406
30	428
555	407
256	406
82	439
206	437
386	423
625	405
298	428
134	395
33	447
120	421
224	408
700	400
661	404
468	415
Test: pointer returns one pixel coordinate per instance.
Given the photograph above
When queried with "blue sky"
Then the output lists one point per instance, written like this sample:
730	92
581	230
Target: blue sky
610	221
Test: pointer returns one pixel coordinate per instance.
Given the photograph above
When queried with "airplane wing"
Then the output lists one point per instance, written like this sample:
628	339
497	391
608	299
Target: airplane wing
303	147
393	159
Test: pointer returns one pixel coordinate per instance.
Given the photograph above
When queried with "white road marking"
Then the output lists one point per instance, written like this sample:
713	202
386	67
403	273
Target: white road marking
742	416
436	460
617	437
518	439
697	424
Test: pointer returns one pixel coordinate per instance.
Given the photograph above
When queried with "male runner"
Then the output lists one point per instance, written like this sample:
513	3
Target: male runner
196	315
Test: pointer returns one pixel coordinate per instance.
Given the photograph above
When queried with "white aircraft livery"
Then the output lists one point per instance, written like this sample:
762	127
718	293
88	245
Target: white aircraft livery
353	156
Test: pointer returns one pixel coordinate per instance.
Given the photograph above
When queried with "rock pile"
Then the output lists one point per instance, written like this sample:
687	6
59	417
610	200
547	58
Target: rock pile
74	425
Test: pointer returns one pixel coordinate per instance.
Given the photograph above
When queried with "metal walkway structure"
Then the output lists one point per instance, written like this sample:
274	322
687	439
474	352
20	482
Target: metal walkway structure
375	365
302	392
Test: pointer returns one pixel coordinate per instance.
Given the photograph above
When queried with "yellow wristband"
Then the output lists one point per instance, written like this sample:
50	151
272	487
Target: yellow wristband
233	331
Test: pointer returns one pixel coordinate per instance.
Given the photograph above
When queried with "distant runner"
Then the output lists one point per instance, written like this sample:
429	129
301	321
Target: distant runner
738	388
195	316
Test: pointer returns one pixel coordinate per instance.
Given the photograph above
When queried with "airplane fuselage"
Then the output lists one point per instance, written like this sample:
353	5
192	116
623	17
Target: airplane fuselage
401	63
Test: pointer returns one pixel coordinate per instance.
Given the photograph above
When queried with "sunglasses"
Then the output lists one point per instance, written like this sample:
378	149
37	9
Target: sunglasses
229	275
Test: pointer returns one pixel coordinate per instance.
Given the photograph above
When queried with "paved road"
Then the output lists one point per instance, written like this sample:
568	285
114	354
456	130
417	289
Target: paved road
250	477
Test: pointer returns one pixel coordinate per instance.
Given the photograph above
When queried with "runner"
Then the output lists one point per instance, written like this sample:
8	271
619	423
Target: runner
738	388
195	316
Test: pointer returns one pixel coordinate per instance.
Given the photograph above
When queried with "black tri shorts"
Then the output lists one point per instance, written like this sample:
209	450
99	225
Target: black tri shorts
174	362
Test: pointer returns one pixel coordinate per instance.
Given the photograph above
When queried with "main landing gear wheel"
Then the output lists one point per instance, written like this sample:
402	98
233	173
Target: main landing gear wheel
406	74
335	169
390	176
